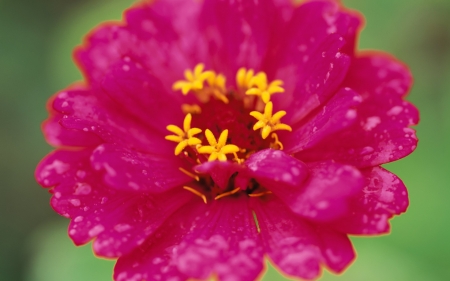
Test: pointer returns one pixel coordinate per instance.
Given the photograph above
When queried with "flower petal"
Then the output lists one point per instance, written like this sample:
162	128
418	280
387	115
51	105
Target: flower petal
298	247
160	35
120	221
237	33
382	132
276	168
313	56
338	113
57	135
141	95
323	196
384	196
290	242
219	171
92	111
126	169
199	241
128	221
53	169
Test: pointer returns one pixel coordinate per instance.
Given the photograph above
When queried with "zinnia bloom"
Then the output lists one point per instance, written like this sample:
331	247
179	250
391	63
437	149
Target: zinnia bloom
211	134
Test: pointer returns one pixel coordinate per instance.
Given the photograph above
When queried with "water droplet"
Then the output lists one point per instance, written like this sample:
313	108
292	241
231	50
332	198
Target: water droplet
78	219
82	189
96	230
75	202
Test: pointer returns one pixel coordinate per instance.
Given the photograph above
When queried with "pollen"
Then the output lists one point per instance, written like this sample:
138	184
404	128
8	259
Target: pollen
217	149
269	123
258	86
194	80
184	137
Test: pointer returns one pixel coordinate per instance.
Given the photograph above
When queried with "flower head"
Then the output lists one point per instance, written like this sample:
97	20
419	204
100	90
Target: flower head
217	194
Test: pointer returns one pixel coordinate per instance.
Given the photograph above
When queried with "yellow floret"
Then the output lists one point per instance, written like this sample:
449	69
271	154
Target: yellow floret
218	149
269	123
194	79
185	136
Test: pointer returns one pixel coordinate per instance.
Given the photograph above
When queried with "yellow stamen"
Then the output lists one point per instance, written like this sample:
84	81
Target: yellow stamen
227	193
276	143
184	137
269	123
194	80
196	192
238	160
197	178
192	109
243	77
258	86
260	194
217	85
217	149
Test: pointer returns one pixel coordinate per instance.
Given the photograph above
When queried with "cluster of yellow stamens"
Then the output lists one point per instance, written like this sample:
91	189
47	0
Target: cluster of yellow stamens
257	85
207	84
195	82
194	79
249	82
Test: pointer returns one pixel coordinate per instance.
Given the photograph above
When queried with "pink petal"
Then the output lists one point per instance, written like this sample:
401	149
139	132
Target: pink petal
130	170
274	168
237	32
227	244
119	221
312	57
60	166
290	242
325	194
336	247
199	240
220	172
382	132
338	113
384	196
154	35
92	111
128	221
57	135
141	95
297	247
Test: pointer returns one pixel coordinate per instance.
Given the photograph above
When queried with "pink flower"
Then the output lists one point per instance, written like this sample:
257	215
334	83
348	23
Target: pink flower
260	109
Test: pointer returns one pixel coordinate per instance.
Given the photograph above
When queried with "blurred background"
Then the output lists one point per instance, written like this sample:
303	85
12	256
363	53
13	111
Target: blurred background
36	41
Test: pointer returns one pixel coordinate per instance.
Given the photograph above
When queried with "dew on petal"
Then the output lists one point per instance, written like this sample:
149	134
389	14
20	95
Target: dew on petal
78	219
96	230
75	202
82	189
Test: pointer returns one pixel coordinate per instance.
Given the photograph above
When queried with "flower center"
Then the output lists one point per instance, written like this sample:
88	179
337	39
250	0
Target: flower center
235	123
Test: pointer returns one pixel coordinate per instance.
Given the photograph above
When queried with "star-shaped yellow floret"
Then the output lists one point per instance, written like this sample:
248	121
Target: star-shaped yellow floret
194	79
217	85
259	86
243	77
218	149
268	122
185	136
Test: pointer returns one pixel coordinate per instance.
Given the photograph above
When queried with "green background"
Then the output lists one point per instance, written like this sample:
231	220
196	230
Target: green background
36	41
